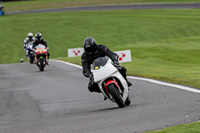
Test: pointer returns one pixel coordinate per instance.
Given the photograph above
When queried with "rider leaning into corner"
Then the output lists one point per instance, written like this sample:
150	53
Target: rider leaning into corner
91	52
40	40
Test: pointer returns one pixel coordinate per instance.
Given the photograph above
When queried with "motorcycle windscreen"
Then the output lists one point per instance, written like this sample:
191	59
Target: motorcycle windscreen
100	62
40	46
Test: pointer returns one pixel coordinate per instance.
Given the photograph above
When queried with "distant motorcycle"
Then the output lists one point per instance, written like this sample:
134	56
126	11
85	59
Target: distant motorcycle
111	83
41	56
29	52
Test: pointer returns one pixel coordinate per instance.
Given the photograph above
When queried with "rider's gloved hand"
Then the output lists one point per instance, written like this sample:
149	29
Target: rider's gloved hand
91	78
117	65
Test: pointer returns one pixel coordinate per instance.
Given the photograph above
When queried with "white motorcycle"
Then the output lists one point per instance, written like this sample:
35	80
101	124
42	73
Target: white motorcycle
111	83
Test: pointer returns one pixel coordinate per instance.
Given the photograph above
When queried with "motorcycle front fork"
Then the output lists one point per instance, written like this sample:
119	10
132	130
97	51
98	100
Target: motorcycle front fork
116	83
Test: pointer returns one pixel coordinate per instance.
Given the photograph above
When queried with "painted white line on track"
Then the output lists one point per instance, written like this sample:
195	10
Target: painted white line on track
166	84
71	64
146	79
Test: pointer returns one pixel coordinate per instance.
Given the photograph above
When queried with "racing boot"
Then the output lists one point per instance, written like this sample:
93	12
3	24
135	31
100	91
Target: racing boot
47	61
128	82
105	98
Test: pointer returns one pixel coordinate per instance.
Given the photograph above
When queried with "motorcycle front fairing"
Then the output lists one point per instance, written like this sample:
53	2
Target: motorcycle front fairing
40	50
104	71
41	53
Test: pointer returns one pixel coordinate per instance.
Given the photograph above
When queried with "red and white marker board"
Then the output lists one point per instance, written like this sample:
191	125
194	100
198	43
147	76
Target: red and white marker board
75	52
124	56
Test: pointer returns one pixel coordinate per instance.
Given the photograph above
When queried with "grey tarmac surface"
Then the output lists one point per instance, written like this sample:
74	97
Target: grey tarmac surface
115	7
57	101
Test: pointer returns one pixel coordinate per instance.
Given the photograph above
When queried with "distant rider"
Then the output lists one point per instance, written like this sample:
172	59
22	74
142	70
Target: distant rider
92	52
40	40
28	39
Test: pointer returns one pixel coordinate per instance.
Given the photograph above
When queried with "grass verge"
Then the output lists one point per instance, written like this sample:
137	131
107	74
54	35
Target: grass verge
186	128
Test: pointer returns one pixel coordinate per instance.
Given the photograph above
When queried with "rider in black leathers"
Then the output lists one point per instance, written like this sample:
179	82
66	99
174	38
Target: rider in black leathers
92	52
39	40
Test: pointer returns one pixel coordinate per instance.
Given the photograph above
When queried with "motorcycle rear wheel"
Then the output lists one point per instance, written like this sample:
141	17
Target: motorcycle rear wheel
116	95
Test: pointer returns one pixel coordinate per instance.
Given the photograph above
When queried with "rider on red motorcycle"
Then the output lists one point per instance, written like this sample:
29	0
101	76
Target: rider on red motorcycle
92	52
40	40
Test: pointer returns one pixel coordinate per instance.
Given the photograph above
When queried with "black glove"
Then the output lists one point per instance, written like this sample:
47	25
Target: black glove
91	78
47	48
117	65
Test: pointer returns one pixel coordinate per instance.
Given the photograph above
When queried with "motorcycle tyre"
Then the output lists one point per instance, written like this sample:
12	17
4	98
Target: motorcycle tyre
116	96
41	66
31	60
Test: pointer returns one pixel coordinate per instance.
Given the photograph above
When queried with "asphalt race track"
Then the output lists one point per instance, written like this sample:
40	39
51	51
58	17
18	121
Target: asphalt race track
57	101
115	7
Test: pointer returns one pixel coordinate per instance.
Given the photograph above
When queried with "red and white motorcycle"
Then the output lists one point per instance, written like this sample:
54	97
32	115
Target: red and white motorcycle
41	56
111	83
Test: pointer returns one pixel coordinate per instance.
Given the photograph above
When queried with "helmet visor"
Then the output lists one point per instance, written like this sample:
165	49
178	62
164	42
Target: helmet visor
91	50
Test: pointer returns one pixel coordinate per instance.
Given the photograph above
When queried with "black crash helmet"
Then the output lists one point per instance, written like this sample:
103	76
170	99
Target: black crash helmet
38	36
90	45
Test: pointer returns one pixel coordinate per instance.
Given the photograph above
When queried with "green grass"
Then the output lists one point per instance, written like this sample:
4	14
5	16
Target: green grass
39	4
186	128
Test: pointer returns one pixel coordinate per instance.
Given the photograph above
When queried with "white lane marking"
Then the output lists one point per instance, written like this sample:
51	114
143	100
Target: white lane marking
146	79
166	84
71	64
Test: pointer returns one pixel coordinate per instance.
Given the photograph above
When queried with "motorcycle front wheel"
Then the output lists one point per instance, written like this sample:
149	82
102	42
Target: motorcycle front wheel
116	95
41	66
